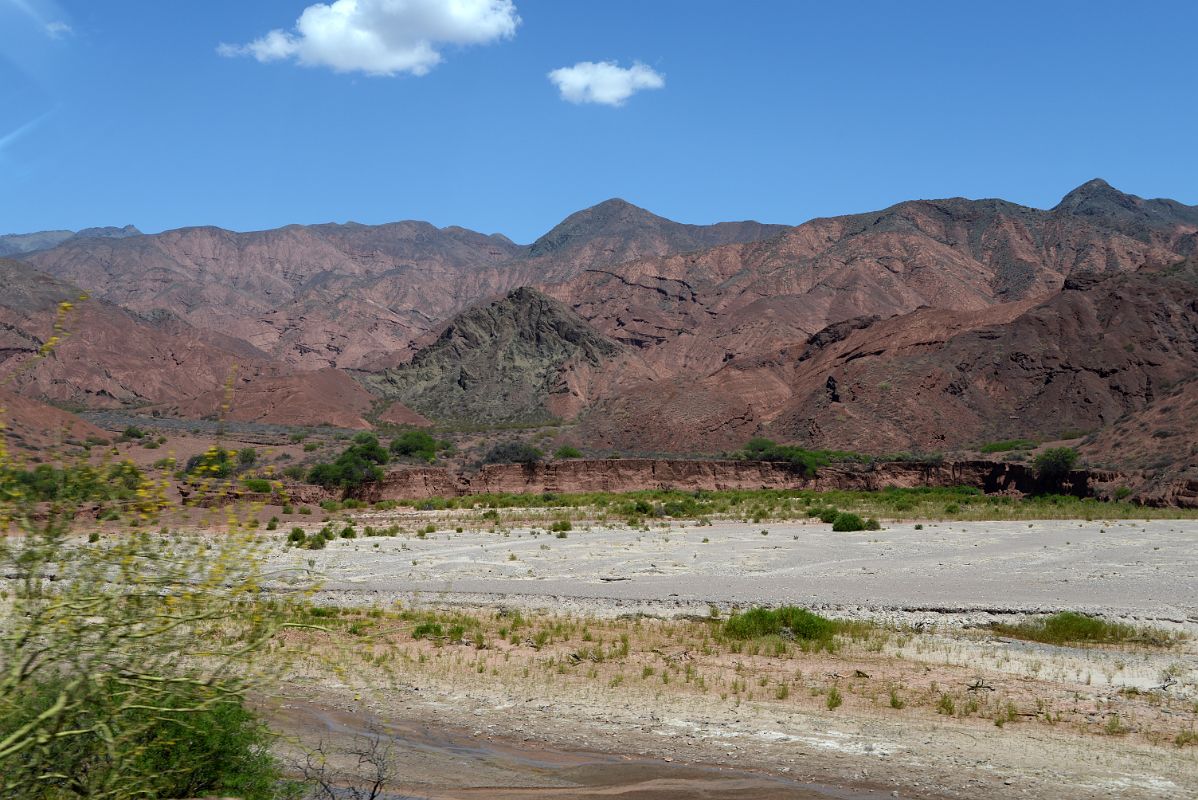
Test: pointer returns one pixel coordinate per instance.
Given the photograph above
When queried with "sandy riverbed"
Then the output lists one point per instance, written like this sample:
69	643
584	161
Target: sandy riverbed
519	721
1134	569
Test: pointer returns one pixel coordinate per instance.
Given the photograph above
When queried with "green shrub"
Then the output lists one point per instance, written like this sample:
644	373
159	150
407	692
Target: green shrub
561	526
1069	626
246	457
513	453
133	432
427	630
566	451
258	485
417	444
192	743
75	483
760	449
847	522
297	535
828	514
215	462
798	622
872	524
293	472
358	464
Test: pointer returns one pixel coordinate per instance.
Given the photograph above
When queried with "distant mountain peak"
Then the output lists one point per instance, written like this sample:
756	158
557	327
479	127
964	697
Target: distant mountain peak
1097	198
108	232
1131	215
1091	191
614	204
1093	184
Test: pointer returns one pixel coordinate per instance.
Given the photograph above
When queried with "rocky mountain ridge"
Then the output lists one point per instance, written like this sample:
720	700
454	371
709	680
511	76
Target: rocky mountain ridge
932	324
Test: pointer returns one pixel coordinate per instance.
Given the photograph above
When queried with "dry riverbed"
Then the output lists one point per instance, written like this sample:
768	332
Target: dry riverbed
588	664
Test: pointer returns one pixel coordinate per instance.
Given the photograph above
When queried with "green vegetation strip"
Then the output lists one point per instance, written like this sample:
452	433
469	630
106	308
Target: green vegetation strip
758	505
1069	627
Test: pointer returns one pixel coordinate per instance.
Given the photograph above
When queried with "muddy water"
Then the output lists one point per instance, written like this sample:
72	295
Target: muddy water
439	763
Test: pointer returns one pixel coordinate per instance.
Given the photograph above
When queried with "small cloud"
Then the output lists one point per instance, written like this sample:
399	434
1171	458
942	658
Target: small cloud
382	37
604	82
58	29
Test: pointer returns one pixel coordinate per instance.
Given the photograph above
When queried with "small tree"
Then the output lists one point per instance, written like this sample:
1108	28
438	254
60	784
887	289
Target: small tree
365	769
1054	465
359	463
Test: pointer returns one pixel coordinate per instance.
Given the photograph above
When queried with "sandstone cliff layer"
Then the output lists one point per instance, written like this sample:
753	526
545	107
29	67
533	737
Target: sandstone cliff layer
636	474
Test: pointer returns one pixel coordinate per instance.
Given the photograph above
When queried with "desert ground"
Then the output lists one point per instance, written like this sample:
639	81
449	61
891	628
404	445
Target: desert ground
509	661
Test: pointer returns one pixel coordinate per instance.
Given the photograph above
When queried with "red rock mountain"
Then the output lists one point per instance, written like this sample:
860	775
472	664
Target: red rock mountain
108	356
341	295
36	428
931	324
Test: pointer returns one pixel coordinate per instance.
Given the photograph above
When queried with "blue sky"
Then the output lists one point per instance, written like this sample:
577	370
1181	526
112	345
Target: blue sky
119	112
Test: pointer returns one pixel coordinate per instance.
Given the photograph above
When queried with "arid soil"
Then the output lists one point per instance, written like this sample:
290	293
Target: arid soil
599	646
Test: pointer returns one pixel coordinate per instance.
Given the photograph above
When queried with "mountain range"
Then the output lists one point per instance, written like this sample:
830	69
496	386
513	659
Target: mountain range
929	325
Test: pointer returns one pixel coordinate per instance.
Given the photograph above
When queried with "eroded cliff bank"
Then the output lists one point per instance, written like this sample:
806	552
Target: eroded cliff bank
633	474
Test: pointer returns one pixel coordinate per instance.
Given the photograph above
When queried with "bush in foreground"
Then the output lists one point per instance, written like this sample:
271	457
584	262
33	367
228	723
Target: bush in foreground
189	741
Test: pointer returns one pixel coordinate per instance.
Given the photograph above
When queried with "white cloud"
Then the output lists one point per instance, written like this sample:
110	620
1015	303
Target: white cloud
604	82
382	37
58	29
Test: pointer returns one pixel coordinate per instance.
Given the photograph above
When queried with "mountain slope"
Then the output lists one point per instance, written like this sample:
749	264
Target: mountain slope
34	427
935	380
108	357
344	295
692	312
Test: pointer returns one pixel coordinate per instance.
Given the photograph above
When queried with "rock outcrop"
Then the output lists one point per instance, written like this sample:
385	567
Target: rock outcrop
522	358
